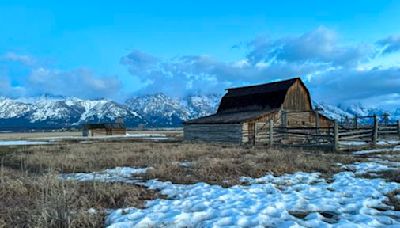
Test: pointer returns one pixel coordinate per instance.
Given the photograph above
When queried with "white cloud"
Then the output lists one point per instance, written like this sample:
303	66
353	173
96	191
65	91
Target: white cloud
334	71
33	79
390	44
14	57
79	82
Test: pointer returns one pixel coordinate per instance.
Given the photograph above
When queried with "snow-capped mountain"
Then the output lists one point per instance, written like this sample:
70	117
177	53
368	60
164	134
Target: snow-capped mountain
155	110
54	113
161	110
342	113
202	105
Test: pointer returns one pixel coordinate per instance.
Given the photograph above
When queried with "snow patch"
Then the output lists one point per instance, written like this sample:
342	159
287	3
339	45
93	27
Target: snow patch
21	143
267	202
118	174
353	143
360	152
388	142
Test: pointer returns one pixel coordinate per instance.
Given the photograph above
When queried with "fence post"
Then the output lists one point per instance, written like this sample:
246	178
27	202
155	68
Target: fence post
255	134
355	121
398	127
316	122
335	136
271	132
375	131
284	118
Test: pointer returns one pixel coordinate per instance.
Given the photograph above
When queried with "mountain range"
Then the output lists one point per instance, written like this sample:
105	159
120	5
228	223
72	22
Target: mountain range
153	110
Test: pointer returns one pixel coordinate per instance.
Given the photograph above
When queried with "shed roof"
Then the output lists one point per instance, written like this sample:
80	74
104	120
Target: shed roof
229	117
104	126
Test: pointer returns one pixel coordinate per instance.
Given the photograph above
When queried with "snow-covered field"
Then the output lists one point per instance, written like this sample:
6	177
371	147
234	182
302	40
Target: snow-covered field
20	143
136	136
382	142
291	200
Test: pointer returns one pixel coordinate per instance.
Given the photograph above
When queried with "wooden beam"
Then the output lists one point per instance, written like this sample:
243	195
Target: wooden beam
356	122
316	122
356	132
284	119
336	136
271	132
375	131
398	127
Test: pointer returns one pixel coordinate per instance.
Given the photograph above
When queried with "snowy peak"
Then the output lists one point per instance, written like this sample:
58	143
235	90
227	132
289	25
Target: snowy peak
199	105
105	110
156	105
153	110
56	113
340	113
162	110
13	109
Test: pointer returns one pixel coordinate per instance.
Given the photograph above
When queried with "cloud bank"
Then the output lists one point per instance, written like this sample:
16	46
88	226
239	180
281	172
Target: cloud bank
21	75
336	72
329	66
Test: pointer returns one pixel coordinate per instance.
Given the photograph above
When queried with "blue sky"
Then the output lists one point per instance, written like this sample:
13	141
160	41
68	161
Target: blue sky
346	51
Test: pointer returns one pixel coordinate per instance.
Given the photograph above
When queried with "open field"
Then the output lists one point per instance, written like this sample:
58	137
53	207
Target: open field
67	134
32	192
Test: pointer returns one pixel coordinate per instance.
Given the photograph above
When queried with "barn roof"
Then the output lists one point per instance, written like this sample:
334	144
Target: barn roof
104	126
249	102
256	98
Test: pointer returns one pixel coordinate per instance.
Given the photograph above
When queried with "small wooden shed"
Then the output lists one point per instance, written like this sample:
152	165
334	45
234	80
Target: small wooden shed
287	103
100	129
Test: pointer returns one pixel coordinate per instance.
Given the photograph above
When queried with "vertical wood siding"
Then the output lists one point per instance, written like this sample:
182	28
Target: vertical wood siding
230	133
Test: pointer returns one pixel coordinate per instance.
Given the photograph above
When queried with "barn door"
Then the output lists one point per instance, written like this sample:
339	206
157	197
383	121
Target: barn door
252	133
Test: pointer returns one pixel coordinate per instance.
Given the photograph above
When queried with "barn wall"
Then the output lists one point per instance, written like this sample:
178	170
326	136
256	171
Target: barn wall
228	133
85	132
118	131
297	98
306	119
103	131
260	128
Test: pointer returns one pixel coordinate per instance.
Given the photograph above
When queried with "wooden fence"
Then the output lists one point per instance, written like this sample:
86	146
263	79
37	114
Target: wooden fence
337	137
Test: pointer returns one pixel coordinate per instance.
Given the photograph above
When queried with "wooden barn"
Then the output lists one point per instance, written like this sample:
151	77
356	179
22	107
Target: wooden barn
244	111
100	129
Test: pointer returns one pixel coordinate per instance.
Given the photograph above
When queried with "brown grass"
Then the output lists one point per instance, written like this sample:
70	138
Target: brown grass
32	195
217	164
390	175
394	200
45	201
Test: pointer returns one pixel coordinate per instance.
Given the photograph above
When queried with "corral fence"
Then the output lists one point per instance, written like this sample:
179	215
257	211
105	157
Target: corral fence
337	137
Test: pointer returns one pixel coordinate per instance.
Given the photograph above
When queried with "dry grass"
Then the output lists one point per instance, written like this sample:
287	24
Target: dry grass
390	175
45	201
217	164
394	199
32	196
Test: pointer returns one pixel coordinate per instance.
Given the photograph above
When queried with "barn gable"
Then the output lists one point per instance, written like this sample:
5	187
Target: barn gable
290	94
297	98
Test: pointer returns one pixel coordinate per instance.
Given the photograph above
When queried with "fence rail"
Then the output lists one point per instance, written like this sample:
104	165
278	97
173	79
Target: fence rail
332	137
